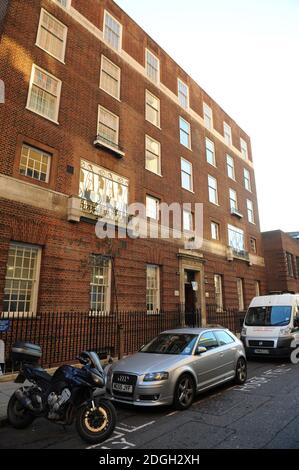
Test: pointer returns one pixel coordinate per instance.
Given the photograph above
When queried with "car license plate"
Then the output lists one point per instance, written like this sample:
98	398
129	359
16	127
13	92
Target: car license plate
262	351
123	388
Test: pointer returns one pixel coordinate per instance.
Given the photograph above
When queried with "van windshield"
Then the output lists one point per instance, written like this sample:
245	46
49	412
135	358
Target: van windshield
268	316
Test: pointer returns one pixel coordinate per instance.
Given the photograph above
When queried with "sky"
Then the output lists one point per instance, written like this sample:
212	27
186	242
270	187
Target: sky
245	54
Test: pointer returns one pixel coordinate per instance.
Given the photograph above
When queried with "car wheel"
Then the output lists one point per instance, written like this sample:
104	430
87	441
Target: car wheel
184	392
241	371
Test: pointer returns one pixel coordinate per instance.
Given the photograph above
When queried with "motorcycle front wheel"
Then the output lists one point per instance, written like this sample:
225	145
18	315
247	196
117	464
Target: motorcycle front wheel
96	425
17	415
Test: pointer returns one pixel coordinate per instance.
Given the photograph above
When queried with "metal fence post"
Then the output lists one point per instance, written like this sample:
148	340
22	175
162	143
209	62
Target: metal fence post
120	334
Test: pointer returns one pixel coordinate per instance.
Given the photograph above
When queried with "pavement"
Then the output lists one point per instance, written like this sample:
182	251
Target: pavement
264	413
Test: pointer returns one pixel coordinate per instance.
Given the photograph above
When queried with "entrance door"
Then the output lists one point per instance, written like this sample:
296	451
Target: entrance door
190	299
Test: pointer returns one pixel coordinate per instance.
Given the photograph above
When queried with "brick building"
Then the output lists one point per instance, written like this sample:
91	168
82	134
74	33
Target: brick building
96	112
282	261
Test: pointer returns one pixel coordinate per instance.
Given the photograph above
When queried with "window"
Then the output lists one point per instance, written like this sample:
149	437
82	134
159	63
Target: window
152	207
213	190
224	338
218	292
230	167
250	211
152	109
187	221
152	66
236	238
257	288
247	180
290	264
215	231
152	155
110	78
210	152
227	134
253	246
103	192
240	290
244	149
35	163
64	3
100	284
108	127
233	200
208	340
183	94
44	94
186	175
208	116
297	263
51	35
112	31
185	133
152	289
22	277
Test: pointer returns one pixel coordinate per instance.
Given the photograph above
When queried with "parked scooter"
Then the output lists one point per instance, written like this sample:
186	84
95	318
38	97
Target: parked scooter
64	398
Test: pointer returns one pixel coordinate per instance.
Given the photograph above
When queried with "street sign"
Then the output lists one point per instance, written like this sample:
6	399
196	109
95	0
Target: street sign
4	326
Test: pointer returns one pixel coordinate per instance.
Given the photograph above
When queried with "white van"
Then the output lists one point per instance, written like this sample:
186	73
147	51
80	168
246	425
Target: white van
271	324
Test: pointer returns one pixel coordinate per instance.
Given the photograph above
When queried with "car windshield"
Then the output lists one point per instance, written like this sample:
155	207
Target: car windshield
268	316
176	344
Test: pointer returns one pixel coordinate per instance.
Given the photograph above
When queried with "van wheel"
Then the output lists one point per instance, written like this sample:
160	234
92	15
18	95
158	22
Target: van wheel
184	393
241	371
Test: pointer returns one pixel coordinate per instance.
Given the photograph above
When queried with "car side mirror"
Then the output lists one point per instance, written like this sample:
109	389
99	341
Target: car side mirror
296	322
200	350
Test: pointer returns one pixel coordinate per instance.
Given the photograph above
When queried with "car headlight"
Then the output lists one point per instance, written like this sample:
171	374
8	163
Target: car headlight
156	377
244	332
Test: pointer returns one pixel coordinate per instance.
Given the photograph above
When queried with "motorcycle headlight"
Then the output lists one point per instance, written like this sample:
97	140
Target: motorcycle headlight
97	379
156	377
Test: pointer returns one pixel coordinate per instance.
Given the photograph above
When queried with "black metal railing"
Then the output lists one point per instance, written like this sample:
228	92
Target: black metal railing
63	335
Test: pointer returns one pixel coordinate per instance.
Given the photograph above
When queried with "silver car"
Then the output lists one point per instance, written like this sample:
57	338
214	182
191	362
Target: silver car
176	365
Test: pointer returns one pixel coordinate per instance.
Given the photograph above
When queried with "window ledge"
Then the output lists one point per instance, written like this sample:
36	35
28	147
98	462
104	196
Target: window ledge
114	148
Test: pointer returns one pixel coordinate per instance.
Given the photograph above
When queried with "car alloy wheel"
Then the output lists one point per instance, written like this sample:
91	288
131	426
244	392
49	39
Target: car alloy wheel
241	371
184	393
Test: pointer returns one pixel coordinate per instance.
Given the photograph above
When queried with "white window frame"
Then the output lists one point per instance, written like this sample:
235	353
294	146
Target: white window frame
180	82
157	207
60	59
188	134
156	82
208	116
108	299
215	228
250	211
187	221
190	175
158	289
158	156
158	124
233	200
67	3
212	178
119	48
209	151
230	164
227	133
253	245
244	149
239	231
98	128
59	85
103	58
35	282
247	180
46	154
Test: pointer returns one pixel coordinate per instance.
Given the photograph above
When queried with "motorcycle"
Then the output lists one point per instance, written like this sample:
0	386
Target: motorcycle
64	398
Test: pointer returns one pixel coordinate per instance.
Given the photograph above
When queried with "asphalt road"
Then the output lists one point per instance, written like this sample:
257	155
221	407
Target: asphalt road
262	414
